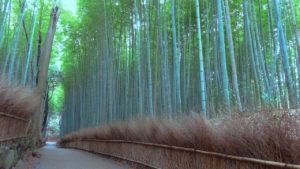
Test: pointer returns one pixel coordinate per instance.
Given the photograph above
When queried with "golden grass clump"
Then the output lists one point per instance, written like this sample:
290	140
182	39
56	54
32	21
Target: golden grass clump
262	135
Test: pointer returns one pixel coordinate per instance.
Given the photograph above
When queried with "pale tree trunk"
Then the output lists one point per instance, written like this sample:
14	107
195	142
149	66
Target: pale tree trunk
163	51
249	48
284	54
225	81
201	62
232	55
13	50
297	36
43	74
29	53
149	70
138	55
176	63
166	63
5	12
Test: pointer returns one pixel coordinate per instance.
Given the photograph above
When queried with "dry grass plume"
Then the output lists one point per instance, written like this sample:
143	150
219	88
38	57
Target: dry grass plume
17	101
262	135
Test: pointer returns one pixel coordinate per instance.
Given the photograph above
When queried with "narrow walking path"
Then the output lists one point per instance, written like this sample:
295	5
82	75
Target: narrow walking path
57	158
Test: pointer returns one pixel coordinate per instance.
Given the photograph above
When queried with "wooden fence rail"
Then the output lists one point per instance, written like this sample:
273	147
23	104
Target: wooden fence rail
172	157
11	139
12	127
13	117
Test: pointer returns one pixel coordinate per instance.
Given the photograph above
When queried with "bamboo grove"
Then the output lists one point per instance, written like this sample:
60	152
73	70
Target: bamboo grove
27	29
129	59
22	32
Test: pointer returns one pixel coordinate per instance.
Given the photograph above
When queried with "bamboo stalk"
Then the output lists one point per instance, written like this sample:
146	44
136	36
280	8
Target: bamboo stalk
207	153
13	117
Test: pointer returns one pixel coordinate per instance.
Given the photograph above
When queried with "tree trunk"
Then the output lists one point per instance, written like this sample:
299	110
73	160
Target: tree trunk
176	64
285	60
232	55
201	62
149	70
225	81
43	75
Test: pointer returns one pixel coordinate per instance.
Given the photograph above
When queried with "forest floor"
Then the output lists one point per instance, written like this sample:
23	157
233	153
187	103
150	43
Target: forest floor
57	158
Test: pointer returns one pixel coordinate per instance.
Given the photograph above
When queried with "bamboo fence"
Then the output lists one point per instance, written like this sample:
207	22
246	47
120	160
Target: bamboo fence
12	127
172	157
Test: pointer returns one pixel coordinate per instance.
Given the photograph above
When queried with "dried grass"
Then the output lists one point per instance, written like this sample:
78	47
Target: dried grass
17	101
263	135
17	104
159	156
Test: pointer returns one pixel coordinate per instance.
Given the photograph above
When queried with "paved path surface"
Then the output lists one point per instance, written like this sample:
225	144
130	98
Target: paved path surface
56	158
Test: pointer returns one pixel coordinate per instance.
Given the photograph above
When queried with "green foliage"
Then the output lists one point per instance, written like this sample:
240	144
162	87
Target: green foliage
56	101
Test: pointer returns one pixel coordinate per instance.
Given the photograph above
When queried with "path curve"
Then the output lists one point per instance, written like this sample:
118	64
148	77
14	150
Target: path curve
58	158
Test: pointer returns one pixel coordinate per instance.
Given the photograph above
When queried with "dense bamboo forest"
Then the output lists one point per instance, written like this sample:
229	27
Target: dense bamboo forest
118	60
218	79
129	59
